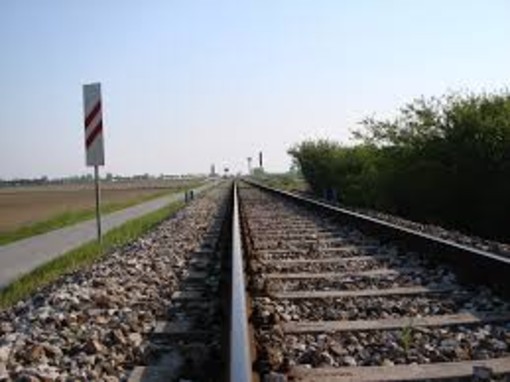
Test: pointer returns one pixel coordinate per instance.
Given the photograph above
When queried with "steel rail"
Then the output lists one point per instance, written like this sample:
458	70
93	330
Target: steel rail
472	264
240	358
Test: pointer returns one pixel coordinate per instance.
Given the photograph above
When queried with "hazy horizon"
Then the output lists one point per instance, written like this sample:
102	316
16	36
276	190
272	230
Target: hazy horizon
190	84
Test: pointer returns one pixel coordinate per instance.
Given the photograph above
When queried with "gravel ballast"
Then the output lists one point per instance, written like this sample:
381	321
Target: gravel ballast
92	324
292	317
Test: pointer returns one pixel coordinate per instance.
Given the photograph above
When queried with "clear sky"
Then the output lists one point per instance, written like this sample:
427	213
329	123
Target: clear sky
194	82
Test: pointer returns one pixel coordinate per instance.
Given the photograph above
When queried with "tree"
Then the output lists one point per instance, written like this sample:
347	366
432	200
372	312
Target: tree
444	160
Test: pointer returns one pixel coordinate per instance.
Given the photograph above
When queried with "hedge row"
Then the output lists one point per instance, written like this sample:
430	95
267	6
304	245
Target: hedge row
444	161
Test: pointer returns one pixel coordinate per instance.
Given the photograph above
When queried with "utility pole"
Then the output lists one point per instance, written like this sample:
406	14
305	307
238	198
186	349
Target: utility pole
249	165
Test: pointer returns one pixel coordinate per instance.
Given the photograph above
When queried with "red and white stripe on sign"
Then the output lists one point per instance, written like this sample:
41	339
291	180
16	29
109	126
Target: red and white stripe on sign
93	124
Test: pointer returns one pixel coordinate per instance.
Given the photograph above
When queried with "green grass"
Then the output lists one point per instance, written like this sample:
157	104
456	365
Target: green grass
71	217
406	337
84	255
285	181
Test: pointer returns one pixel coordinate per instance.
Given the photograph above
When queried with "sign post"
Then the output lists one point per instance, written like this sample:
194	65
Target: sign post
98	203
94	145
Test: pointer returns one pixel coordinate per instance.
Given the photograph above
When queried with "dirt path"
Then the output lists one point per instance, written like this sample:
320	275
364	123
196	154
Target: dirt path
23	256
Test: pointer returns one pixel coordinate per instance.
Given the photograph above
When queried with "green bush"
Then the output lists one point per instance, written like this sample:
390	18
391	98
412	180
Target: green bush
444	161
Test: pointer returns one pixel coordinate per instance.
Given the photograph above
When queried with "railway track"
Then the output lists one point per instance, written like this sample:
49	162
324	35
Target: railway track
339	298
253	284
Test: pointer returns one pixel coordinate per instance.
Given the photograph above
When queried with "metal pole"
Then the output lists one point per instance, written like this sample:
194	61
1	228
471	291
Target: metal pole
98	202
249	165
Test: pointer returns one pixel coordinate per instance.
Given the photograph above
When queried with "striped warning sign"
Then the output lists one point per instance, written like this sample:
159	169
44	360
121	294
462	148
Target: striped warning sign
94	146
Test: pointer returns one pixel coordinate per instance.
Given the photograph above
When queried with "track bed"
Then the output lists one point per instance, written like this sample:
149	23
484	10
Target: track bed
331	302
127	316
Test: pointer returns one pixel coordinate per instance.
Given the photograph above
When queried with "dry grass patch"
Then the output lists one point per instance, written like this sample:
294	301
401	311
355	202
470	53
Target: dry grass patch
29	211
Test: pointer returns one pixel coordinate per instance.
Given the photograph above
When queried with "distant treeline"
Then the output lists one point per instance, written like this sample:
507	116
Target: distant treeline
441	160
24	182
88	178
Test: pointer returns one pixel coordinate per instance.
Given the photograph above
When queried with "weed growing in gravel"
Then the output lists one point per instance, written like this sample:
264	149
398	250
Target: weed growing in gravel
84	255
406	337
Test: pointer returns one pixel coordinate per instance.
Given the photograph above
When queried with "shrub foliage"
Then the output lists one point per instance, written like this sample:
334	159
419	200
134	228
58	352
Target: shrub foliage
445	161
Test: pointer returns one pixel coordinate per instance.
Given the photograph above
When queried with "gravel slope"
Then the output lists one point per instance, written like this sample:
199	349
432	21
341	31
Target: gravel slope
92	325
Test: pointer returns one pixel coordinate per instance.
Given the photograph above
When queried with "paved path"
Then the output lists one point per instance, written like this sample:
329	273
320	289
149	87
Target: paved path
22	256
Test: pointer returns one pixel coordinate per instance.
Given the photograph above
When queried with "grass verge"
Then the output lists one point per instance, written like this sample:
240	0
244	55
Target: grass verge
83	256
285	181
71	217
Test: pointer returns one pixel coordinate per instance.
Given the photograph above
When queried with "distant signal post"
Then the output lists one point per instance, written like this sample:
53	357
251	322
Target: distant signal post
94	145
